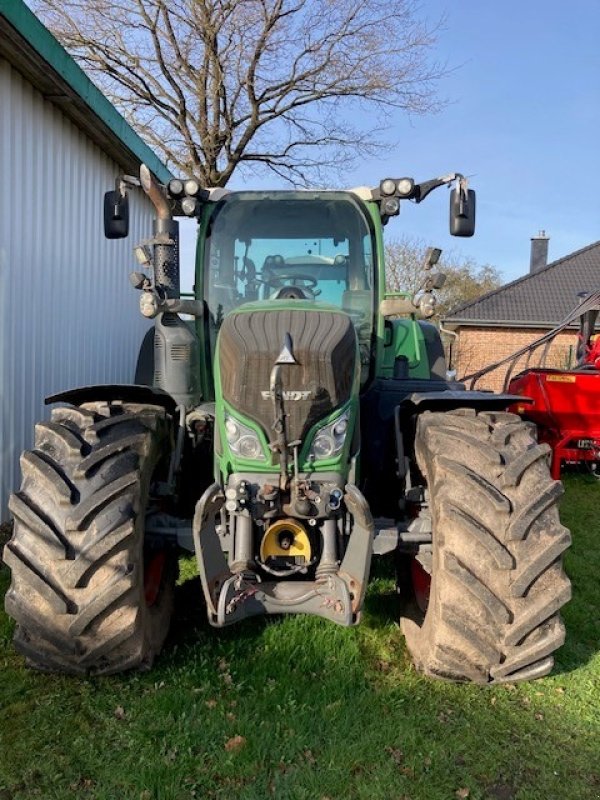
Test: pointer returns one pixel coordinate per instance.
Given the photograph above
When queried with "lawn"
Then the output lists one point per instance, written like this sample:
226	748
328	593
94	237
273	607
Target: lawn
299	708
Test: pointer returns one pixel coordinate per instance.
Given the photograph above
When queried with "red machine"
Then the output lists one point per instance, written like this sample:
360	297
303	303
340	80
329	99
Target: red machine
563	403
566	408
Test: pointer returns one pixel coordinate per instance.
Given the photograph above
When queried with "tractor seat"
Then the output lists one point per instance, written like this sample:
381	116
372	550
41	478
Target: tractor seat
293	293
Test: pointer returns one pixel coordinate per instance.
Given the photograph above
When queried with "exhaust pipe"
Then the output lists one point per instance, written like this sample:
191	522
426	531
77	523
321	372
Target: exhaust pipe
176	358
166	237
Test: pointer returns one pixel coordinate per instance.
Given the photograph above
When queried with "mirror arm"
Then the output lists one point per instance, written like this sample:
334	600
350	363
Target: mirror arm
423	189
125	182
464	195
122	184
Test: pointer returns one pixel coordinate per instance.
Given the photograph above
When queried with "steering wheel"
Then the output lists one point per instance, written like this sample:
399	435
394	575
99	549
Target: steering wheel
356	316
275	281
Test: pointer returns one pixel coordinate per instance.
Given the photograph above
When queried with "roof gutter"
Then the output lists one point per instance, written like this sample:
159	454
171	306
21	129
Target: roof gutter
487	323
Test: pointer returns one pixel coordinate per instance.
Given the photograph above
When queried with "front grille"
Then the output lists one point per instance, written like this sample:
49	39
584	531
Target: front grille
324	344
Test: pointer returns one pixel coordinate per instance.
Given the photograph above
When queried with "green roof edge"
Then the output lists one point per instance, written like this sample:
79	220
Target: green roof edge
39	37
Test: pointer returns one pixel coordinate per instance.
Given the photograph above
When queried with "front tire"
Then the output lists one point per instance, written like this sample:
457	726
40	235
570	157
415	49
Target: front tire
497	582
78	591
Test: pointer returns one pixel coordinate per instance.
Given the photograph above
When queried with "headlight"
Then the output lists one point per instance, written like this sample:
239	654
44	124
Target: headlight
329	440
242	440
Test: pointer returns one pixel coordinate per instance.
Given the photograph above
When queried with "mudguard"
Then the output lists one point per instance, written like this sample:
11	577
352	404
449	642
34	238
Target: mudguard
449	400
125	393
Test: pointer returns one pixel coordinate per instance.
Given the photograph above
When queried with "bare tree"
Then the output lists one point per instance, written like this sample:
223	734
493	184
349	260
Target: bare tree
465	280
299	87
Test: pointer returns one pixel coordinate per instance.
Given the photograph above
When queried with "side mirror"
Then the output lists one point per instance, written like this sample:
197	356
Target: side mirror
436	280
116	215
432	256
462	212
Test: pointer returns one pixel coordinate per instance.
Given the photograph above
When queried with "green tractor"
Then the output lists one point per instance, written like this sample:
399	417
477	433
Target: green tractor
287	422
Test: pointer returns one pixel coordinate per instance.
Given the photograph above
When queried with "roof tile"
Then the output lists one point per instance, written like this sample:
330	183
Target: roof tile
545	296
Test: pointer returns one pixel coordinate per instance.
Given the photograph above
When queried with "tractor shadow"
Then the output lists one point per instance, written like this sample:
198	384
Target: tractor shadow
384	606
190	631
389	595
190	627
581	615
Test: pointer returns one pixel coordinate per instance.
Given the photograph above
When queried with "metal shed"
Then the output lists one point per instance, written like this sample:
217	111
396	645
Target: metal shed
67	314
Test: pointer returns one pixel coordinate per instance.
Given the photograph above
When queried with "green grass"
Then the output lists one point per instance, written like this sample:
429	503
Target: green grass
324	712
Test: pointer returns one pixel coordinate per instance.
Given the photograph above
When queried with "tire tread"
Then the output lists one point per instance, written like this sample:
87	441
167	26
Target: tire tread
76	553
497	583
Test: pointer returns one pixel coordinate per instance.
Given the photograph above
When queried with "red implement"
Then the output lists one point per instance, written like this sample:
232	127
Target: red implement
563	403
566	409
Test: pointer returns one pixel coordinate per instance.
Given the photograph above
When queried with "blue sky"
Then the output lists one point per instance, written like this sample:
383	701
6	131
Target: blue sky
523	119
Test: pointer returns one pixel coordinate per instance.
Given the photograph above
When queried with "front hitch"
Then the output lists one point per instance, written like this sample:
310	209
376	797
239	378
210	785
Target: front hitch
336	595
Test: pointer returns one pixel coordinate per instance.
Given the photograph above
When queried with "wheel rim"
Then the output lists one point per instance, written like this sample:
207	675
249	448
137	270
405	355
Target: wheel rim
421	581
153	574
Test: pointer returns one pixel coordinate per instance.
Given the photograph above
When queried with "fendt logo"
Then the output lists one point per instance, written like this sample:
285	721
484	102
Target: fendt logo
287	395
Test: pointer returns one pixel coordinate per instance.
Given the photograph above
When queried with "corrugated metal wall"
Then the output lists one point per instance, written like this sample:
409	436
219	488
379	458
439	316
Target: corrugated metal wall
68	315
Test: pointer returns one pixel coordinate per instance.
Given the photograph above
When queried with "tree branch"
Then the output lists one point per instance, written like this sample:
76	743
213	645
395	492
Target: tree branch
291	86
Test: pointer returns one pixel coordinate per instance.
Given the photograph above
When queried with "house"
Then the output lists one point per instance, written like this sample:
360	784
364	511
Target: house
492	327
68	316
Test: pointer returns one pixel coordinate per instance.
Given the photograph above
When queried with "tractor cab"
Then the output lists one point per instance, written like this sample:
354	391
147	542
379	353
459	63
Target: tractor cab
299	247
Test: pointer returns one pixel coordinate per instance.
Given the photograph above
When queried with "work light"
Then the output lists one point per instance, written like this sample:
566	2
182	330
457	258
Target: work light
405	186
390	206
192	187
175	187
188	206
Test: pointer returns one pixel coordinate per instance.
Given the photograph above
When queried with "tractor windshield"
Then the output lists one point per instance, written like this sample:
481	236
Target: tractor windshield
259	245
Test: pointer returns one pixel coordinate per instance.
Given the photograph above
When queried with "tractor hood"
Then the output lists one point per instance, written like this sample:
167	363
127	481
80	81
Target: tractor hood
318	378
